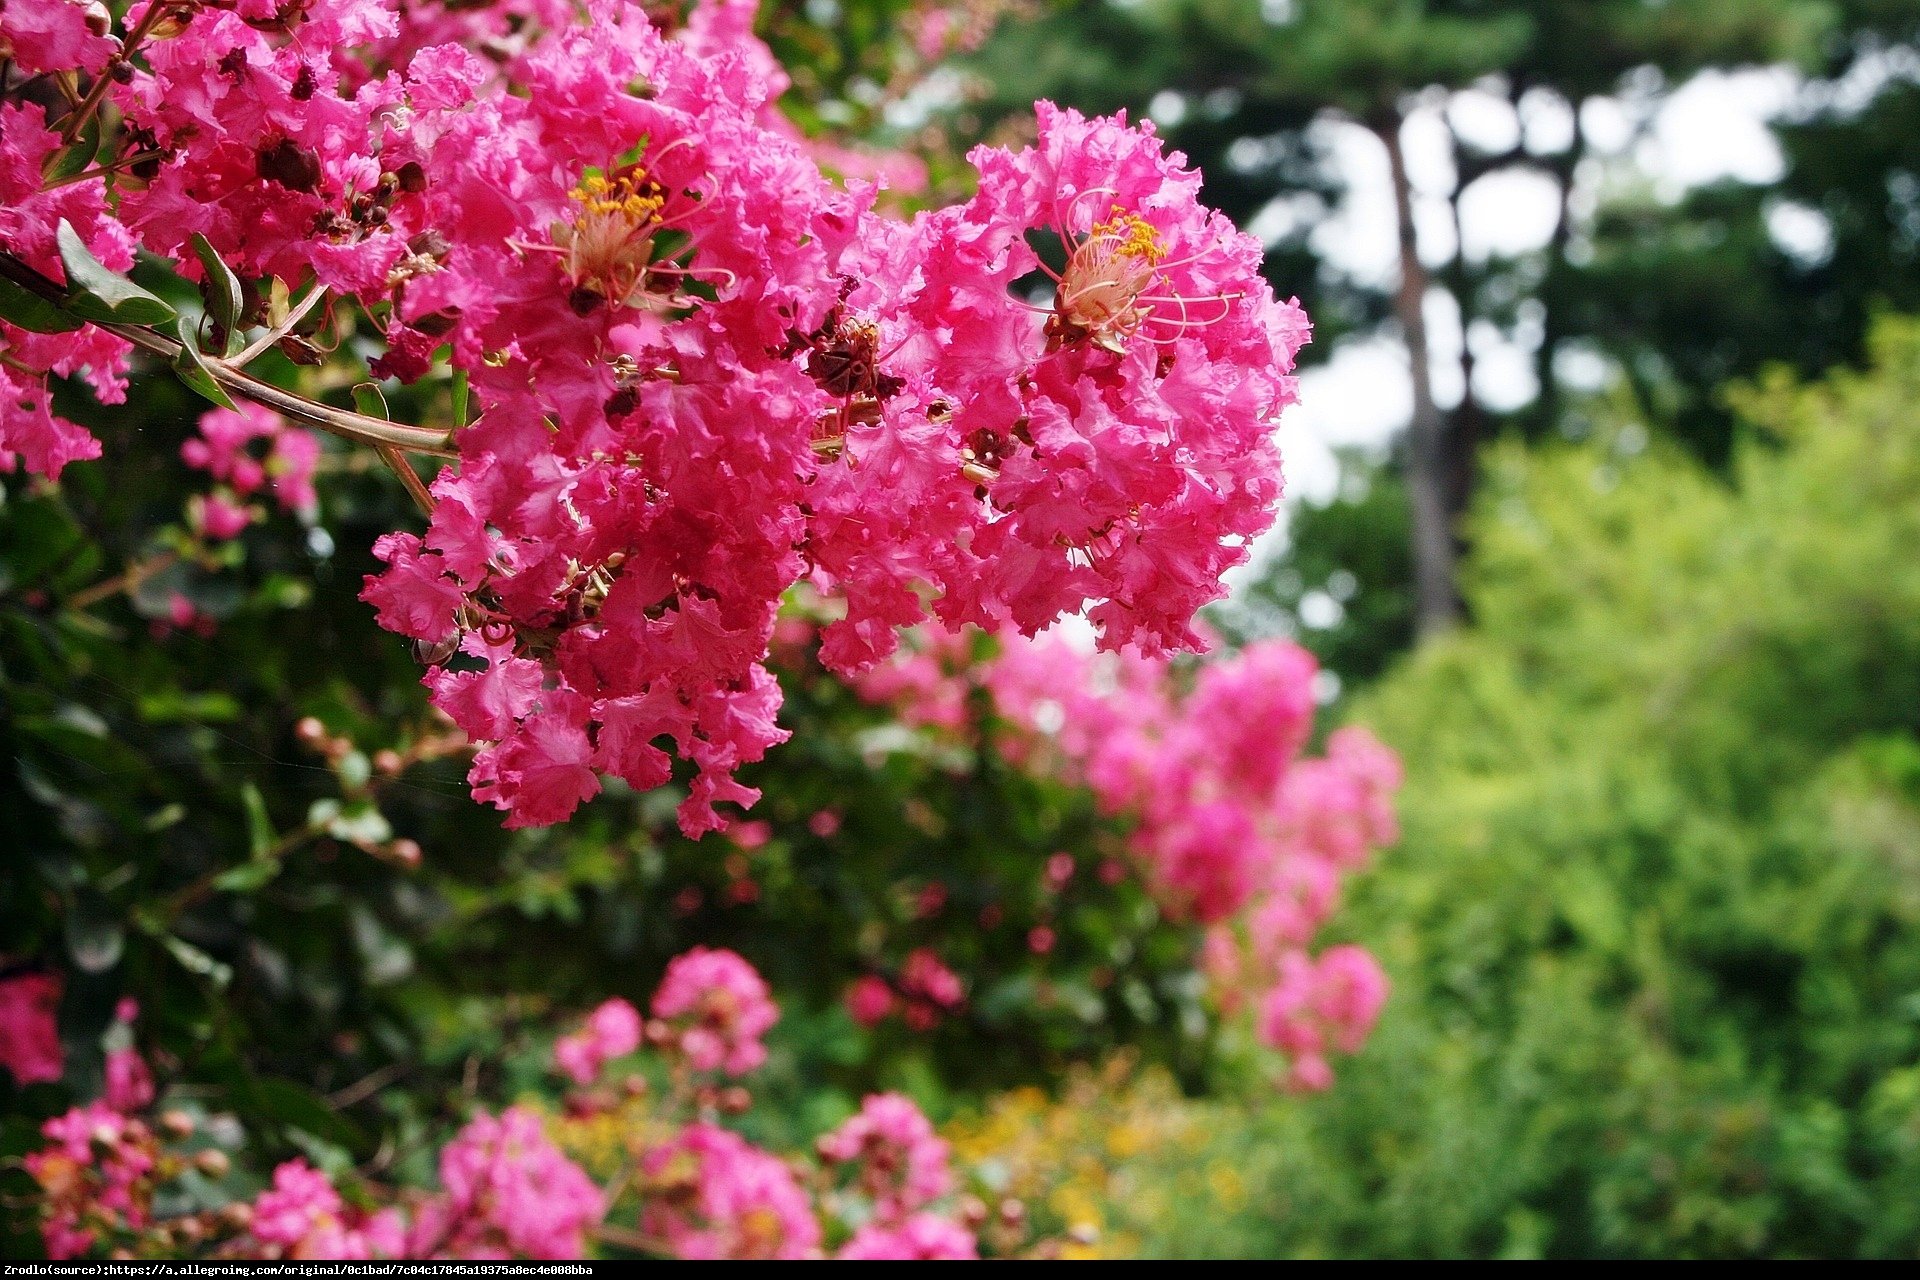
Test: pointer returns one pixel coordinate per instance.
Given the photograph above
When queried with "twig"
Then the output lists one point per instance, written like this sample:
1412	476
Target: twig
408	477
77	119
368	1085
87	597
255	349
344	423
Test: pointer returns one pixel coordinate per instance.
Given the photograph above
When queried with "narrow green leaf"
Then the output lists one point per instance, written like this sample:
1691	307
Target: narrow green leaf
192	369
225	298
32	312
459	398
246	877
260	836
103	295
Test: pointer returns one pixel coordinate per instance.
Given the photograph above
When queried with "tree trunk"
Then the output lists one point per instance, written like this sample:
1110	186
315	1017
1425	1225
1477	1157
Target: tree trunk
1460	441
1436	602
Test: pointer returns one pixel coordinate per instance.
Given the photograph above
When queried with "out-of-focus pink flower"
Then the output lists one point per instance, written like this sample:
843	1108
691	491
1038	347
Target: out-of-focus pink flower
29	1034
302	1216
611	1031
923	976
1319	1005
711	1194
717	1008
895	1156
129	1082
224	450
221	519
510	1193
924	1237
869	1000
95	1174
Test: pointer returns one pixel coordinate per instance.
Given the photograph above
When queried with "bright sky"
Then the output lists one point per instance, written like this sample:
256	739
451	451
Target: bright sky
1712	127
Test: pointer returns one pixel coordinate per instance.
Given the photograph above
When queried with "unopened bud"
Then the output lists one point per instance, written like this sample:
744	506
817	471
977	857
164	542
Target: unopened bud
388	761
177	1123
310	731
213	1162
405	852
735	1100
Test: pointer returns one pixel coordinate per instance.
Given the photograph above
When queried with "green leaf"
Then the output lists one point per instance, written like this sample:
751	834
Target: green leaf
297	1108
247	877
75	156
459	398
32	312
260	837
103	295
193	369
225	298
371	401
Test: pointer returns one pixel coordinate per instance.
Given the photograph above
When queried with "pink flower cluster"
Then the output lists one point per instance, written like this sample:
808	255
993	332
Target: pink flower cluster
302	1216
703	370
226	449
927	989
896	1158
1319	1004
715	1009
611	1031
95	1177
30	432
1231	825
97	1173
506	1190
29	1033
923	1237
712	1194
509	1193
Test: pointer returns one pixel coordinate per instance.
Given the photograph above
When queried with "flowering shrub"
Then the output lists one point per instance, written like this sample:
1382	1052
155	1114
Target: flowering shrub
665	422
1230	826
686	368
690	1188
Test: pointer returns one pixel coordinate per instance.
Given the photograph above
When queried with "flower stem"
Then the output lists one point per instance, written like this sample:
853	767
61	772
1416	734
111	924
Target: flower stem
345	423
